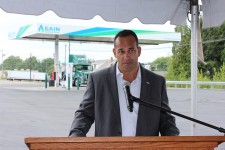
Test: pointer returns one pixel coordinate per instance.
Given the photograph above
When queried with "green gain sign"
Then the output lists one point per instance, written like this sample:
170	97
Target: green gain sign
48	29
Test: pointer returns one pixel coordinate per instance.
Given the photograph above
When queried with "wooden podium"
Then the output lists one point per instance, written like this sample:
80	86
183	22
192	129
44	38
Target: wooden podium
152	143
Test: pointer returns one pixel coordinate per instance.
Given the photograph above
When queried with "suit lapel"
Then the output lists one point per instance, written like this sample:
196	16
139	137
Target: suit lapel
111	78
145	85
112	82
145	88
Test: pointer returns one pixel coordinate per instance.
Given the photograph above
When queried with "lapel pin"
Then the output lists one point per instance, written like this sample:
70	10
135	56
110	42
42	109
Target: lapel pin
147	82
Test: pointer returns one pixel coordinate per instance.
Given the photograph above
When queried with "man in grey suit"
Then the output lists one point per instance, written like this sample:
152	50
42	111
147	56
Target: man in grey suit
104	101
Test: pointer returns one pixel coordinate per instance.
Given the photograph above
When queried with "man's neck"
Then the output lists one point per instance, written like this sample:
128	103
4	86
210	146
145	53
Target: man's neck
130	76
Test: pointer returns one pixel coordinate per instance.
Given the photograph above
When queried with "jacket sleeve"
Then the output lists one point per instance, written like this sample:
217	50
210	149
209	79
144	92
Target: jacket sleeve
167	121
84	116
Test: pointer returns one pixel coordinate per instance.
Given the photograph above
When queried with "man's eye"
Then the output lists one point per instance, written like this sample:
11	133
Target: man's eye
132	50
121	52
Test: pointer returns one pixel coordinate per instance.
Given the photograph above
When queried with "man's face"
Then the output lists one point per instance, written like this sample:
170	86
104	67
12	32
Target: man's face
127	52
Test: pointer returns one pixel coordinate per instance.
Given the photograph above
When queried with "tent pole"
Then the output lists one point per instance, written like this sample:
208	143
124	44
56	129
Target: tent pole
194	52
56	61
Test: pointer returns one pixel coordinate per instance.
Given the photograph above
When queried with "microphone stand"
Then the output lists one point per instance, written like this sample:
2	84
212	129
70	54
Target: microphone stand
137	100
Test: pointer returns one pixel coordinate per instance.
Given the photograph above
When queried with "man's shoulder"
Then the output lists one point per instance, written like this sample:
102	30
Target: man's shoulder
103	71
152	74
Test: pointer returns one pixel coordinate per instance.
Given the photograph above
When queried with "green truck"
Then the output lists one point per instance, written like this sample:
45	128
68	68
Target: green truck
81	69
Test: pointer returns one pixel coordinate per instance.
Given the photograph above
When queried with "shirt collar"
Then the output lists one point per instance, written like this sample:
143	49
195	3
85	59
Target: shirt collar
120	74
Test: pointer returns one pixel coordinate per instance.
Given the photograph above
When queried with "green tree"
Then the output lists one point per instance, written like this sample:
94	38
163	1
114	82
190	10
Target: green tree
181	55
202	77
219	75
160	64
214	49
13	62
170	72
31	63
47	65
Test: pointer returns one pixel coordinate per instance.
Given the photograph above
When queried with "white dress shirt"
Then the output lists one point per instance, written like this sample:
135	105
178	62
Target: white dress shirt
128	119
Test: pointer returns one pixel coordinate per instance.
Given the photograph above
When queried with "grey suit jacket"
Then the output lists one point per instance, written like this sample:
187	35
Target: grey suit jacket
101	104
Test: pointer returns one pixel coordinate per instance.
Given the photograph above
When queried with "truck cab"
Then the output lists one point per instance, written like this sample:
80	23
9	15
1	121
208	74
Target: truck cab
81	69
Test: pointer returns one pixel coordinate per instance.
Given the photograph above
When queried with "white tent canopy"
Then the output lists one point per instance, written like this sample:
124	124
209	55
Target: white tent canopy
112	10
147	11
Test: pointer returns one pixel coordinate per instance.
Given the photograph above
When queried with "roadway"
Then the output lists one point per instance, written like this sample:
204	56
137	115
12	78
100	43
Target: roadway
28	109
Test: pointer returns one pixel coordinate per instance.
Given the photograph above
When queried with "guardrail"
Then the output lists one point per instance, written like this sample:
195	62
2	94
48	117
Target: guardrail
187	84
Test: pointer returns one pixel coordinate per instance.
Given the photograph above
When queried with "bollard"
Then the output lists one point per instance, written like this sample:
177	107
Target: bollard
68	81
78	83
46	80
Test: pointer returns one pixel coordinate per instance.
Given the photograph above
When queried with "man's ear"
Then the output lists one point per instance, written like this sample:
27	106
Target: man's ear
139	50
114	52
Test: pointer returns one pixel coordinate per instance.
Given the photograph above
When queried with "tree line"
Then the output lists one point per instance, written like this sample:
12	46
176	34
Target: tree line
15	62
178	66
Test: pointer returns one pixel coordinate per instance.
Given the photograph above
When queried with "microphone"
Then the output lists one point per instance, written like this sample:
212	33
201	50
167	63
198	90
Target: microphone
128	96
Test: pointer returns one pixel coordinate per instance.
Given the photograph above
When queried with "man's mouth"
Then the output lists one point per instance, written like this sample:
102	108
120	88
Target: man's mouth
128	62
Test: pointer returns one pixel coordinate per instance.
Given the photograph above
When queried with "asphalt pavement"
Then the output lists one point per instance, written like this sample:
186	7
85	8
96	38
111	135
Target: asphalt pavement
28	109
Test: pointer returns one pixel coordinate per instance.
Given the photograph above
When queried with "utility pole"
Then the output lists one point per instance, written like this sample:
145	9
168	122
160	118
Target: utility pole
69	50
2	61
30	66
65	54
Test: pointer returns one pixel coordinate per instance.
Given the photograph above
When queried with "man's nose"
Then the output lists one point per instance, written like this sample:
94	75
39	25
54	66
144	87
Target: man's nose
127	54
